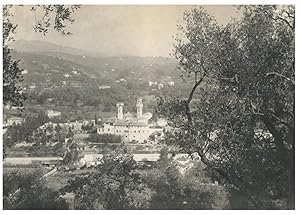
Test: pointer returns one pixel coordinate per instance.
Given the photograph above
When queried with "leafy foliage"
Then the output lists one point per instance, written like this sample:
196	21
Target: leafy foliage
104	138
21	189
115	185
242	124
24	132
12	93
71	155
55	16
173	190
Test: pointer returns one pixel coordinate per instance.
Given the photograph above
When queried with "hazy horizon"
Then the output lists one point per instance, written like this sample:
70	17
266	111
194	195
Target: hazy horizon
119	30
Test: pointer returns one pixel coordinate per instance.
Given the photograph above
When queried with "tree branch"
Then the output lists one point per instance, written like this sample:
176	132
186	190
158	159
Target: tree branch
280	18
272	129
280	75
188	101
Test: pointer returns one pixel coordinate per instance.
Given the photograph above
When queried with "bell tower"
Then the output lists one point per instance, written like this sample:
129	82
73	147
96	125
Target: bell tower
120	110
139	108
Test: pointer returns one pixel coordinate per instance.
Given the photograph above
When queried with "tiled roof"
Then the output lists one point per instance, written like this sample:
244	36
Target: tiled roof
129	123
128	115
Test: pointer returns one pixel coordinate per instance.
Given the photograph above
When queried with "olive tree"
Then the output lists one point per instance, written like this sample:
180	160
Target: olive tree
114	184
239	115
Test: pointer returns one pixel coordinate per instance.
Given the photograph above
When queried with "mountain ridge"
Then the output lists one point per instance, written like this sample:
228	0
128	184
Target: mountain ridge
37	46
77	85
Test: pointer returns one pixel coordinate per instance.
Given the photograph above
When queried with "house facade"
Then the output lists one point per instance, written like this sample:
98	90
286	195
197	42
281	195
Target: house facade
14	121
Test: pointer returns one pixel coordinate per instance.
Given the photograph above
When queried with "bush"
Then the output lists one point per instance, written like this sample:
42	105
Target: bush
27	191
104	138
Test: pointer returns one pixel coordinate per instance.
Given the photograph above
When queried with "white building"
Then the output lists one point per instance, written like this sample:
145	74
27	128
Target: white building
152	83
52	113
102	87
127	126
162	122
24	72
14	121
171	83
32	87
90	160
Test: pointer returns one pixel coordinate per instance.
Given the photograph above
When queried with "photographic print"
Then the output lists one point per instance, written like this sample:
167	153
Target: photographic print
148	107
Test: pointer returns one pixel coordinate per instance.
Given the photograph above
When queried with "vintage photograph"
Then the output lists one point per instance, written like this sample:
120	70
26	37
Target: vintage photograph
148	107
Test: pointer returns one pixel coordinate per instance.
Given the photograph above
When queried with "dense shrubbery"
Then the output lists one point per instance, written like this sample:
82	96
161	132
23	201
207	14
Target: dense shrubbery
27	191
89	128
42	150
104	138
23	132
119	183
122	184
47	140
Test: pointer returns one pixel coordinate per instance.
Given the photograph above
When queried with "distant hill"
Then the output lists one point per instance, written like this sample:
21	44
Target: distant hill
107	68
64	79
35	46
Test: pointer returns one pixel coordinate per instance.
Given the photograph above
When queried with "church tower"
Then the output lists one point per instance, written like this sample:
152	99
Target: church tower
120	110
139	108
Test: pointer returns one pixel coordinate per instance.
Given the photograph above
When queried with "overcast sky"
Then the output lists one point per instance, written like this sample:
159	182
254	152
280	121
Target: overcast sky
120	30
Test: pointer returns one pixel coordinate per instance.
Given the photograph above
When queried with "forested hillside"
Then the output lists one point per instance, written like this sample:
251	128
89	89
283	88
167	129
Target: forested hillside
81	85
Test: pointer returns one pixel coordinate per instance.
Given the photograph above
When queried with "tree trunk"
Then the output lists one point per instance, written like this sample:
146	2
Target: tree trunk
291	182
